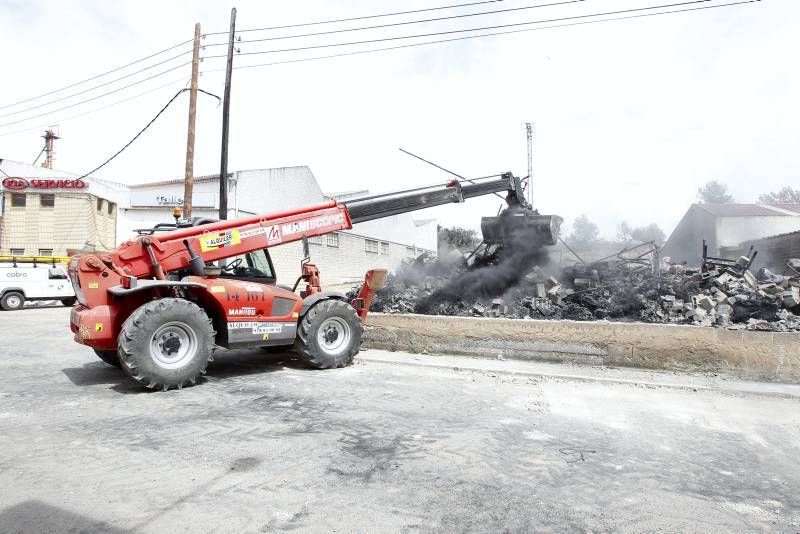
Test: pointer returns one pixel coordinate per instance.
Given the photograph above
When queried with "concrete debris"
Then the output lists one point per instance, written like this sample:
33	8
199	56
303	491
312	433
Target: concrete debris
723	294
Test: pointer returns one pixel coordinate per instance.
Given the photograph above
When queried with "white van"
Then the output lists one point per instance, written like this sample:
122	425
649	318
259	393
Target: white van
20	282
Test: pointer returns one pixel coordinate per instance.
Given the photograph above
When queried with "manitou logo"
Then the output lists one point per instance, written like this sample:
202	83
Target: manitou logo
315	223
243	311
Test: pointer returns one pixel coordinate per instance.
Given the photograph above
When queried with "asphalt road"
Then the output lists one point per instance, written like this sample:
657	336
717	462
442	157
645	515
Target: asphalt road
396	443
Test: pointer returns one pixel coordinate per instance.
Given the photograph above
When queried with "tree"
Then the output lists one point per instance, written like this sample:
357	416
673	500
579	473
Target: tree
651	232
786	195
584	231
458	237
714	192
624	232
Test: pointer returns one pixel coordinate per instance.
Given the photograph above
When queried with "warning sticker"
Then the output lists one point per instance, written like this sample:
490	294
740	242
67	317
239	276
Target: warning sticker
258	328
221	240
273	234
252	232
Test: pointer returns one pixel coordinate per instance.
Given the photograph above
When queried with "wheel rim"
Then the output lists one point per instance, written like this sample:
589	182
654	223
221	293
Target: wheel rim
173	345
14	301
333	335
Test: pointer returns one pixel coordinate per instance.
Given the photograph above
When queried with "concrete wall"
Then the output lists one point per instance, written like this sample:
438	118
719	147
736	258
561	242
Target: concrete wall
756	355
685	243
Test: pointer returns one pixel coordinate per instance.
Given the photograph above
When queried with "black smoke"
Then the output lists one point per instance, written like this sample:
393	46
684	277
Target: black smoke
496	273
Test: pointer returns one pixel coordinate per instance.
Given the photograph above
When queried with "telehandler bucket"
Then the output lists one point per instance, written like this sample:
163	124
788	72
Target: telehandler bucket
515	224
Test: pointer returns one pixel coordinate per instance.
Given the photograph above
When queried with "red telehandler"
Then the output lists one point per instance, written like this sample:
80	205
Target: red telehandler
157	306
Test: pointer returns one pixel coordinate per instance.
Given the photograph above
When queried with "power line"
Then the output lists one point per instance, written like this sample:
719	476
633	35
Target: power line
40	154
95	110
135	137
405	23
450	32
96	97
493	34
98	75
95	87
364	17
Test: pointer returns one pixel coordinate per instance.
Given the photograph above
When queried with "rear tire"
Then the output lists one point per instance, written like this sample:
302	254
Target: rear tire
329	335
69	302
166	343
13	300
109	356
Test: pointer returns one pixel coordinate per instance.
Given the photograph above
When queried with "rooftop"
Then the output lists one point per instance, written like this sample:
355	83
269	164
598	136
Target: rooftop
752	210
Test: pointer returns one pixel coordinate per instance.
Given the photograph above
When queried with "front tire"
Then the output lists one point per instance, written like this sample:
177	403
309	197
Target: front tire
329	335
13	300
166	343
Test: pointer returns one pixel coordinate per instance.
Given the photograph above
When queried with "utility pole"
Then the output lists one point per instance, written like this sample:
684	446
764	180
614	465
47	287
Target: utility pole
49	154
226	106
529	130
188	184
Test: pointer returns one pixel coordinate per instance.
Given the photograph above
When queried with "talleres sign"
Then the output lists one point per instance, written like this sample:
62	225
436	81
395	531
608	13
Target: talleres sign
22	184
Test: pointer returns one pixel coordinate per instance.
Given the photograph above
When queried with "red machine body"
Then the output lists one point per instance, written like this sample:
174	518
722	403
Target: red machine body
157	305
268	312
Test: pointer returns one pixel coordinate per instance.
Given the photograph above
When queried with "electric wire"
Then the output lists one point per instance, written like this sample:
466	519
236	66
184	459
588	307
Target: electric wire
99	75
404	23
97	96
493	34
61	99
135	137
364	17
450	32
95	110
40	154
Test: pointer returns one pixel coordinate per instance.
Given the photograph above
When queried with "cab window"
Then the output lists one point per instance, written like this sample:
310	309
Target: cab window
250	265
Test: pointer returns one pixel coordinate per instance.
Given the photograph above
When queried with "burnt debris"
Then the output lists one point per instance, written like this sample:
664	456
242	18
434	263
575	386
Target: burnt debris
635	285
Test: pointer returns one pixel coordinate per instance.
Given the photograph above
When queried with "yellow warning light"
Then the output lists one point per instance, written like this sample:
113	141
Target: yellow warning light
176	212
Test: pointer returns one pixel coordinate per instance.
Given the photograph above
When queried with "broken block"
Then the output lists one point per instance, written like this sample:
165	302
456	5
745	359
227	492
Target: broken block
722	279
791	298
705	302
750	279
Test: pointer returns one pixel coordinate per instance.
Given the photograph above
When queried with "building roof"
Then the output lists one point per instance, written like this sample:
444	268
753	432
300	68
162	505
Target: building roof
751	210
788	207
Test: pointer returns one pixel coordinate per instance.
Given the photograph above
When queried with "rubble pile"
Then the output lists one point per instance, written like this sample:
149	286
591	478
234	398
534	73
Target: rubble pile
720	293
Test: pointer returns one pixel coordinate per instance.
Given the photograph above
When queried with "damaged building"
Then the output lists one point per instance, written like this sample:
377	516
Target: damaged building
726	226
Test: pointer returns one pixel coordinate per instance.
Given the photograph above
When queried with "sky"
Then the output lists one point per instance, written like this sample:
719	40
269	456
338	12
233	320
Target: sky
630	116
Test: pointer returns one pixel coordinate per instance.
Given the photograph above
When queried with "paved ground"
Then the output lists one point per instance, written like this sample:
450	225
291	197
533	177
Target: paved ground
396	443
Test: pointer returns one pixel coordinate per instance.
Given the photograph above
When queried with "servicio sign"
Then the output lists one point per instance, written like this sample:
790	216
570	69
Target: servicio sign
19	184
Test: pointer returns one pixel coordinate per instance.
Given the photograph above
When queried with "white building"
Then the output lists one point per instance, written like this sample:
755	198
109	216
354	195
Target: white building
725	227
44	212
